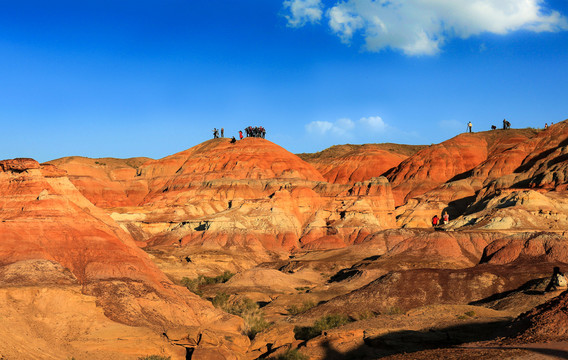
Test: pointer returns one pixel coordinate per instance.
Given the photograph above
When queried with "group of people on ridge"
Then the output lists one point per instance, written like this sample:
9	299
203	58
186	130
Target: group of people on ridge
216	133
506	125
257	131
436	221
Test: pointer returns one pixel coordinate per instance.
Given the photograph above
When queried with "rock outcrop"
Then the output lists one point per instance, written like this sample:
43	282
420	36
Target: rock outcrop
252	195
348	164
106	182
451	159
52	235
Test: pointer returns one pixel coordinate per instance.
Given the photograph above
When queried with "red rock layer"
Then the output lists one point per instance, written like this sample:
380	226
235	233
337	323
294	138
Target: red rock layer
46	218
106	182
439	163
547	247
348	164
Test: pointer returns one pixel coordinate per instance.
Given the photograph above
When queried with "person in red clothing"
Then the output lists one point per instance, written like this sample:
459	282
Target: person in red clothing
446	218
241	134
435	220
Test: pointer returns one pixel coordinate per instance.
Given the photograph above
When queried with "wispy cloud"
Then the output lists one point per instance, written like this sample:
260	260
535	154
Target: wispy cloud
301	12
421	27
340	128
347	128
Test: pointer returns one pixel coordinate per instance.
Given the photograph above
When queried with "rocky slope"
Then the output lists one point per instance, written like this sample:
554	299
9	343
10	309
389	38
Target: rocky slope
307	236
348	164
252	195
106	182
436	164
52	236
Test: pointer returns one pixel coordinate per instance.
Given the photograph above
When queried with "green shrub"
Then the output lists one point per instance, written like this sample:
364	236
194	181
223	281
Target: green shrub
366	315
291	355
394	310
194	285
306	305
325	323
245	308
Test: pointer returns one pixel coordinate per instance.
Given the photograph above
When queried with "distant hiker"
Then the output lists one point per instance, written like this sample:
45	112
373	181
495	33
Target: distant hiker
435	221
215	133
557	281
508	124
504	124
545	126
446	218
469	126
222	132
241	134
493	127
233	140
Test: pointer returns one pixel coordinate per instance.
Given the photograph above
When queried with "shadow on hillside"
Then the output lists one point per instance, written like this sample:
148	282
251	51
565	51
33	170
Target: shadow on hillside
541	156
408	341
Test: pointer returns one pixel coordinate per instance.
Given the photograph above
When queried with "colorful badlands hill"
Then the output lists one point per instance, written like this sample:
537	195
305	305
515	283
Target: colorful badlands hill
351	223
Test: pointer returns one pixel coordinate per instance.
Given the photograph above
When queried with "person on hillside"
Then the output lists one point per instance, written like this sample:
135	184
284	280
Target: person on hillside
435	221
557	281
215	133
446	217
545	126
241	134
504	124
222	132
469	125
233	140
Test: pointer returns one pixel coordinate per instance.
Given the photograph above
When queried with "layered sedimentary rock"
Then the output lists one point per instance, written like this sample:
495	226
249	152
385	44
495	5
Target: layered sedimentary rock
52	235
348	164
439	163
252	194
106	182
503	180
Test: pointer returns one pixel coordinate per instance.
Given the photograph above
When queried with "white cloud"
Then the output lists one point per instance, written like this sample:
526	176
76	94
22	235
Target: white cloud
420	27
374	123
303	11
341	127
347	128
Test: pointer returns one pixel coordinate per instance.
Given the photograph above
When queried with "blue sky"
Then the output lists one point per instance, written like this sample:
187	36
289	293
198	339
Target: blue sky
128	78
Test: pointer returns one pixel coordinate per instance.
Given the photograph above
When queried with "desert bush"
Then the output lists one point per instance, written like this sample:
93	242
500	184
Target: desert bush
366	315
221	301
154	357
194	285
245	308
394	310
324	323
292	354
306	305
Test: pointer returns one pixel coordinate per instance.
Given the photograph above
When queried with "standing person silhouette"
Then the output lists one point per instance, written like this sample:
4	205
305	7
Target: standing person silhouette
469	125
